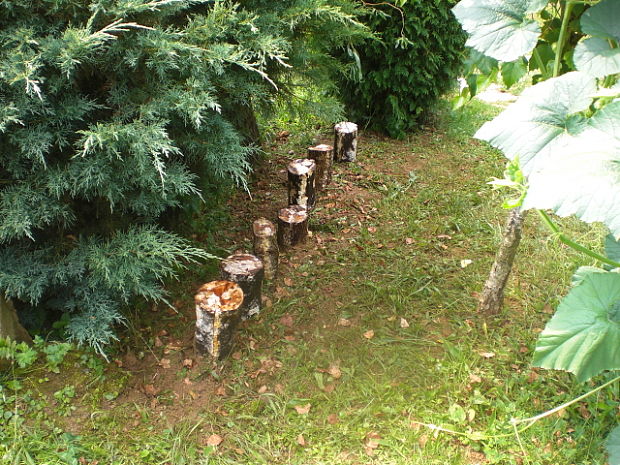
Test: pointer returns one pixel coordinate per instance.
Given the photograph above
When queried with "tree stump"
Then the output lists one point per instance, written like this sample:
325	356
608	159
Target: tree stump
323	155
493	291
217	316
301	180
247	271
292	225
266	246
345	142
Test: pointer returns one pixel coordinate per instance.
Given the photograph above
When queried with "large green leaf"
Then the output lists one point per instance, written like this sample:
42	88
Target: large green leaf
543	115
596	56
513	72
583	337
580	174
612	445
602	20
502	29
612	248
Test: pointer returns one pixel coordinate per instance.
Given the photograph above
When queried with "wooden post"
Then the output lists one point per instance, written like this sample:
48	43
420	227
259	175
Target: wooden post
292	225
301	183
217	316
323	155
266	246
247	271
345	141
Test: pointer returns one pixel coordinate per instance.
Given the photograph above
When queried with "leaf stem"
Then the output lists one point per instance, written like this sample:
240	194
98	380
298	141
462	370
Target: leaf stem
574	245
532	420
568	8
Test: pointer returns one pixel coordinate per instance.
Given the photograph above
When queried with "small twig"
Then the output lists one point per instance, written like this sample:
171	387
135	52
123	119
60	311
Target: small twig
402	13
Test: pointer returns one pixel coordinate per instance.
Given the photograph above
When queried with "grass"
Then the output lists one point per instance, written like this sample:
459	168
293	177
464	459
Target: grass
381	339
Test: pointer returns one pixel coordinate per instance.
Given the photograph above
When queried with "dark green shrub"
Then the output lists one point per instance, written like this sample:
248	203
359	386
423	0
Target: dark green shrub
110	116
403	75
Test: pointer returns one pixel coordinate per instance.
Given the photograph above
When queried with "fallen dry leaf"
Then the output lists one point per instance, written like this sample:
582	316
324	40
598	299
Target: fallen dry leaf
371	442
164	363
329	388
303	409
372	229
487	354
474	378
466	262
187	381
158	342
236	355
369	334
214	440
150	390
262	389
334	371
404	323
301	440
422	440
344	322
287	320
288	282
332	419
409	240
220	391
188	363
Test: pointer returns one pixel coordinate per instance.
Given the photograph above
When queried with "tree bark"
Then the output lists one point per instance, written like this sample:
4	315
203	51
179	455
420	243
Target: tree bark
493	293
218	313
247	271
292	226
301	183
345	142
266	246
10	327
323	155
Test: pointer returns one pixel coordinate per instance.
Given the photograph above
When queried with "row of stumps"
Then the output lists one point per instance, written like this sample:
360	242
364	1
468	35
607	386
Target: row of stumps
222	304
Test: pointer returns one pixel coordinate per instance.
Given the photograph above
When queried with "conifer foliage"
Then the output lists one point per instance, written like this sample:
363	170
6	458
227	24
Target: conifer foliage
416	60
109	116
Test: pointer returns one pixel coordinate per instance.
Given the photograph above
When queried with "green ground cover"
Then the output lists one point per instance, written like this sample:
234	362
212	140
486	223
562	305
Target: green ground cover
368	338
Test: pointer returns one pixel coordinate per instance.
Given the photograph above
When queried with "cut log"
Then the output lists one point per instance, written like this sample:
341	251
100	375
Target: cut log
292	225
301	183
218	306
345	142
247	271
266	246
493	292
10	327
323	155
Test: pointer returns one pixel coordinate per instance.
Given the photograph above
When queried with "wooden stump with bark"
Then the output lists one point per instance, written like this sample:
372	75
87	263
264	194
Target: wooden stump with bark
266	246
247	271
493	291
301	179
323	155
345	142
218	305
292	225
